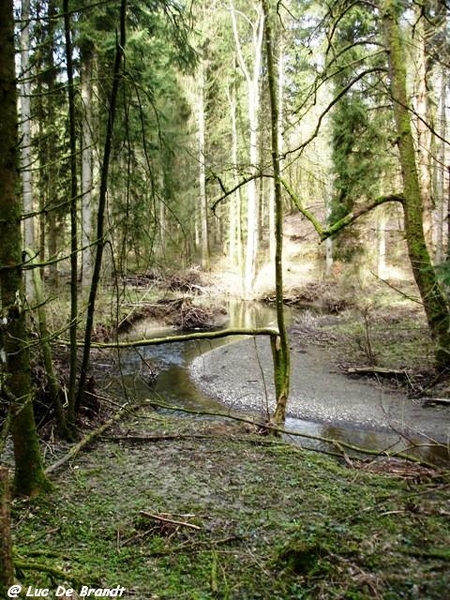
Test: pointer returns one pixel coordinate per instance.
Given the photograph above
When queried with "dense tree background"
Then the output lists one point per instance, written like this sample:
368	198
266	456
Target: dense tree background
193	123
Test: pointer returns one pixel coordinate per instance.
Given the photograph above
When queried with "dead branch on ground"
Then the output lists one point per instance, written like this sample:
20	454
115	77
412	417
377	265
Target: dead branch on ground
90	437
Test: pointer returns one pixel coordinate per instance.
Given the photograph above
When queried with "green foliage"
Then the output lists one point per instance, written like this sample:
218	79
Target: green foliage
443	274
359	128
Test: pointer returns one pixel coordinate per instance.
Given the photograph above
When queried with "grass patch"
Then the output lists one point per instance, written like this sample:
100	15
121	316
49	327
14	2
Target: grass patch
275	521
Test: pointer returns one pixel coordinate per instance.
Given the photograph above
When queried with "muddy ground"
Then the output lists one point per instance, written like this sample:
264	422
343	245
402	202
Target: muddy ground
203	508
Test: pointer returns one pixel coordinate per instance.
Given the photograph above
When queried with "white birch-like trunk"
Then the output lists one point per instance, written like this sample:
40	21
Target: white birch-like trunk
234	217
25	129
423	131
201	126
280	85
87	170
440	170
162	223
252	77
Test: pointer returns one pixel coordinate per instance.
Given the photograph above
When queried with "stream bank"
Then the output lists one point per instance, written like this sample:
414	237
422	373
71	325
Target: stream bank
322	400
238	375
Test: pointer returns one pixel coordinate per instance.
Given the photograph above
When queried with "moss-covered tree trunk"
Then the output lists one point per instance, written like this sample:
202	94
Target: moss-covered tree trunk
14	349
280	345
6	562
434	301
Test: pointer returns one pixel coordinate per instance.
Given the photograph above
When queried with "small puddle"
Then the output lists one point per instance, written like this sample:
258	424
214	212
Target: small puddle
174	386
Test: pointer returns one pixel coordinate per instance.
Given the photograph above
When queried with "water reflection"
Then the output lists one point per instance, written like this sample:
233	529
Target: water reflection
382	442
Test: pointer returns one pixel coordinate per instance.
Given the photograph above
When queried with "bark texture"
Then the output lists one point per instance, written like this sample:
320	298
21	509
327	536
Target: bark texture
280	345
14	348
6	562
434	301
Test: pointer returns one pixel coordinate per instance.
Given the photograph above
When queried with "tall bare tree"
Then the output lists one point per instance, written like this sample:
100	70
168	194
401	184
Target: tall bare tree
251	69
280	344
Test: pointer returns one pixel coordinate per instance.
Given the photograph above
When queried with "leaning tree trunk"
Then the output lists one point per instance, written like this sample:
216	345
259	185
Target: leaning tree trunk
100	241
434	301
14	345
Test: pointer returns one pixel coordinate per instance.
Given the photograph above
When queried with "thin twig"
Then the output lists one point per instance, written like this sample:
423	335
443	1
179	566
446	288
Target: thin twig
167	520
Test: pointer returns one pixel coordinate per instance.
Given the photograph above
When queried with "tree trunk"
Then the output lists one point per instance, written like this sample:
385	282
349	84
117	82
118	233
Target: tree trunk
201	123
73	218
272	208
87	162
440	170
49	166
6	562
280	345
435	304
252	77
14	343
100	241
25	127
55	391
235	206
424	151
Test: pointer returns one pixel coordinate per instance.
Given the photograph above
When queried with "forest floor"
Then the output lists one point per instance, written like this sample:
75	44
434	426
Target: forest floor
177	509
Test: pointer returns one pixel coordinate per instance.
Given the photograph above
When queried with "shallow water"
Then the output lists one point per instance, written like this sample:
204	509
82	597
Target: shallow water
175	386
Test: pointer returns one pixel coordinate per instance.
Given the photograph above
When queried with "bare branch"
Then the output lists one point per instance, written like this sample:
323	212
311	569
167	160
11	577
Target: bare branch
334	101
351	217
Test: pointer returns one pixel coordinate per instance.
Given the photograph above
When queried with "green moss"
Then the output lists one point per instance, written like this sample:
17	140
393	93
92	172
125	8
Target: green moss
274	522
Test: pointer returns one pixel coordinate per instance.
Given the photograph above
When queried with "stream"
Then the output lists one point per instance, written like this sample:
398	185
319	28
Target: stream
190	375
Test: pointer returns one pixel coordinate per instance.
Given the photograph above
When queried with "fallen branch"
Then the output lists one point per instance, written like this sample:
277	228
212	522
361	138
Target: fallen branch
58	574
171	339
332	442
165	519
432	553
89	438
430	401
194	546
159	438
377	371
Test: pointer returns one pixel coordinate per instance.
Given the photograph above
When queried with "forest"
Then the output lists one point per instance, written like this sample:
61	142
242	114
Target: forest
161	160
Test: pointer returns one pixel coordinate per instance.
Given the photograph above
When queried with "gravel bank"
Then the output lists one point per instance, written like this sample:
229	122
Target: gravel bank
240	375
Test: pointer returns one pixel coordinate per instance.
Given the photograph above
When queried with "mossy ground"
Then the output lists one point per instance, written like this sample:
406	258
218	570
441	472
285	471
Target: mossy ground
275	521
